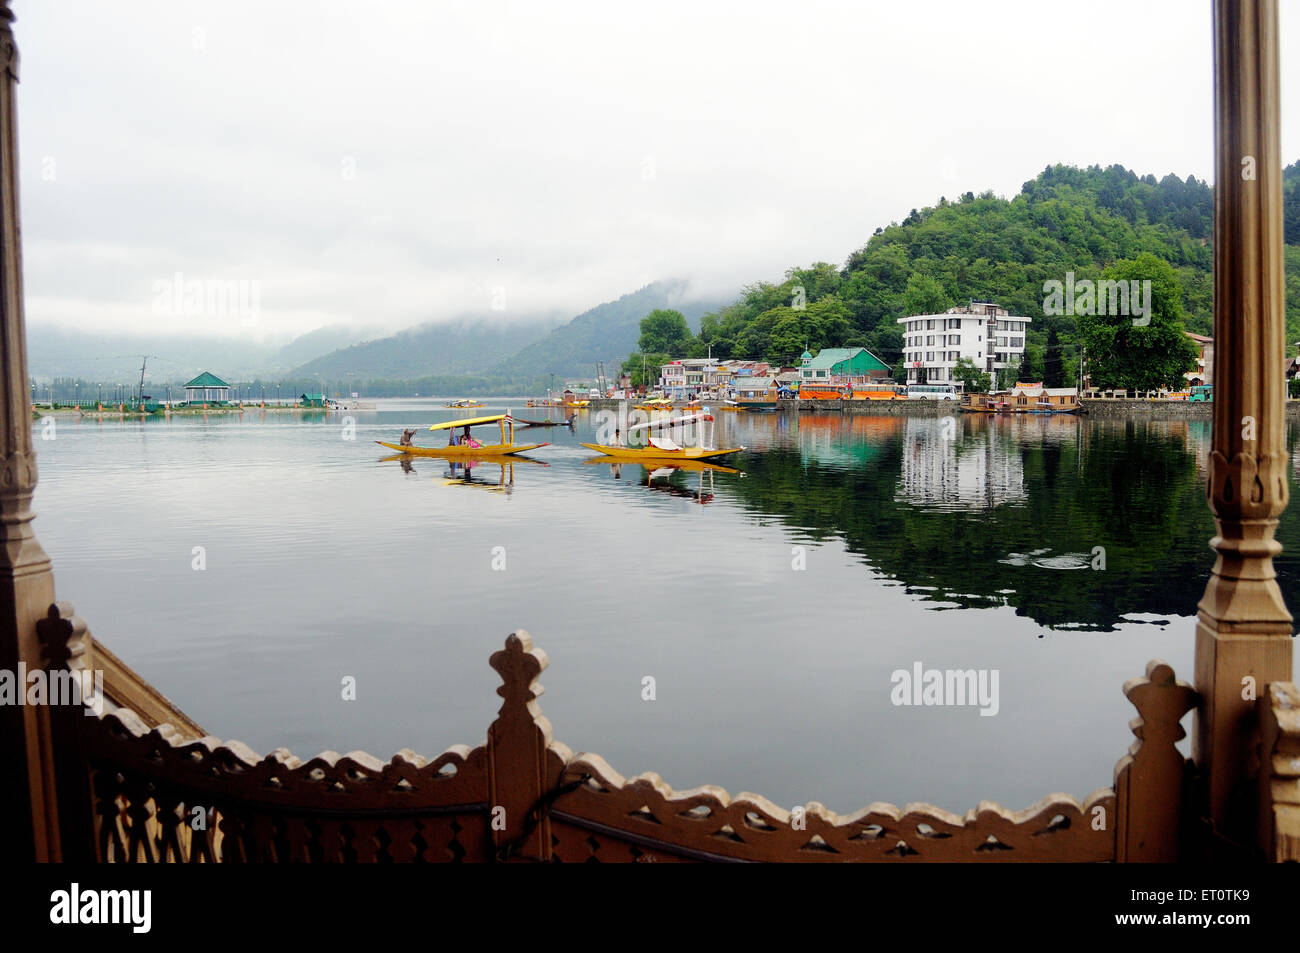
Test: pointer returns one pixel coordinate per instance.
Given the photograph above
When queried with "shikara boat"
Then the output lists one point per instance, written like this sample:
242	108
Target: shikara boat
471	449
462	404
661	448
548	422
656	403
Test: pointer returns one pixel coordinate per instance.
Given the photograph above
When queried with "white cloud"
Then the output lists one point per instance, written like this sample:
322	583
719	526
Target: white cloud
566	152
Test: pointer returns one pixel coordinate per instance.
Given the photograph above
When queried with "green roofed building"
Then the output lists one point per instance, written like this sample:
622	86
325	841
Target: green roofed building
207	389
843	363
311	400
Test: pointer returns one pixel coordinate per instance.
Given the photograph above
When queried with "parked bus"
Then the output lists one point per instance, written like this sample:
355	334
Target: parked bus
877	391
931	391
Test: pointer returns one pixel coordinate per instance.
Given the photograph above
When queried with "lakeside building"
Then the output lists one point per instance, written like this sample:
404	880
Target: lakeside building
986	333
311	400
1036	396
1204	372
207	388
685	379
754	389
841	365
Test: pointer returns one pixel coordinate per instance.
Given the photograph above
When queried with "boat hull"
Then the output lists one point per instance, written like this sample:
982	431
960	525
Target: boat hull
654	453
465	453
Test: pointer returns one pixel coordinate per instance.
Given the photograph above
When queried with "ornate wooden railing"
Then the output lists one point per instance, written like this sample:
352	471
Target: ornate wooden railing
131	792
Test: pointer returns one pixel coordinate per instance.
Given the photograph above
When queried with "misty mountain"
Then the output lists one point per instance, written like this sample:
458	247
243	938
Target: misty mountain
55	351
607	332
318	343
469	345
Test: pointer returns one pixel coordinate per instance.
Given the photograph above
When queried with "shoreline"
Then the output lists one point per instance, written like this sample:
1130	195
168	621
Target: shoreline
1126	408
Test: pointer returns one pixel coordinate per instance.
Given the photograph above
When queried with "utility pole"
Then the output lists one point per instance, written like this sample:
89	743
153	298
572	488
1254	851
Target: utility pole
144	359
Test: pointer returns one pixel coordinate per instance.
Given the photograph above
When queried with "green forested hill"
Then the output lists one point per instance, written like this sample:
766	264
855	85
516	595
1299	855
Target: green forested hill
988	248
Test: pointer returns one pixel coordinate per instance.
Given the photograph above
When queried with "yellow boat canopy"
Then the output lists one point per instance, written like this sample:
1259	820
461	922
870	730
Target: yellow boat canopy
468	422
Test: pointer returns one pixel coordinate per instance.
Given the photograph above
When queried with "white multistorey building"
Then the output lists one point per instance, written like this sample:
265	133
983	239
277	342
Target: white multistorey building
989	335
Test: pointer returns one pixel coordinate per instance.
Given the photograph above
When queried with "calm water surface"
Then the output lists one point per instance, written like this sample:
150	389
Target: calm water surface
325	560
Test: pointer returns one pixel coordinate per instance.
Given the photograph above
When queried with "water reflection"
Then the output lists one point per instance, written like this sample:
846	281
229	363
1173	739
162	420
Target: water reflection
492	474
960	464
978	511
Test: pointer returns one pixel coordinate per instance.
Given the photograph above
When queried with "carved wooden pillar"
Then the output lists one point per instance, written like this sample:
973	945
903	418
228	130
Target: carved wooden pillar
26	583
1243	625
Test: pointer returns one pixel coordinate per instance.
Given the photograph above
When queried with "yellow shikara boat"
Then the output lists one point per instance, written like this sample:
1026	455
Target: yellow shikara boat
658	403
470	449
663	449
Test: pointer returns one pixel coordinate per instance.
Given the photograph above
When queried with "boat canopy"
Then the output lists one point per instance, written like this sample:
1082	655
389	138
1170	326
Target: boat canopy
668	422
468	422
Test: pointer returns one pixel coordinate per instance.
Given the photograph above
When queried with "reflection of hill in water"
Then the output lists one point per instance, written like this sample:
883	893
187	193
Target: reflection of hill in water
950	520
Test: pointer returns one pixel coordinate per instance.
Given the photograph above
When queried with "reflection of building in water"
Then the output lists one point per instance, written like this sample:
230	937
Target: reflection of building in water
947	465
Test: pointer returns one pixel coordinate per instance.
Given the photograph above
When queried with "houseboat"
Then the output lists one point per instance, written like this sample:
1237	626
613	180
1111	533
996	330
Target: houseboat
754	393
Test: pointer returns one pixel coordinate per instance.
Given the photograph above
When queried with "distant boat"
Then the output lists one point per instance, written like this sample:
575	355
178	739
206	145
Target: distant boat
463	404
548	422
655	403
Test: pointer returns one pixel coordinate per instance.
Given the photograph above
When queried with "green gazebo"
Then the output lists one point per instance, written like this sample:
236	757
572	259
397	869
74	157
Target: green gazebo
207	389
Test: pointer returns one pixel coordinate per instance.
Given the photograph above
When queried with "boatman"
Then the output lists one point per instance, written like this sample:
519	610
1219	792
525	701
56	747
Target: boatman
406	438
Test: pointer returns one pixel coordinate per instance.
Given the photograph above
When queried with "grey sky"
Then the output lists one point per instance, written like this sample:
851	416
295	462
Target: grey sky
566	153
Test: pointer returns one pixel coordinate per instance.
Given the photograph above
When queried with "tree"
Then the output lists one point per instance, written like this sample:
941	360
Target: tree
1026	372
973	379
664	331
652	363
924	295
1125	353
1053	367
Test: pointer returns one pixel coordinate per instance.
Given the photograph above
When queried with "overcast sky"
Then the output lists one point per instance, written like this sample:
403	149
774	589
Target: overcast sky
396	162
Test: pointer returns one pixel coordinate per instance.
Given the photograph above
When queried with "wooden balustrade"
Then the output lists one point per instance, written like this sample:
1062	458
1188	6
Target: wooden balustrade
134	792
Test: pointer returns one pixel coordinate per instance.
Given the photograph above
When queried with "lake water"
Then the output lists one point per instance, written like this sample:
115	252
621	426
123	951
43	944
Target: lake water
770	605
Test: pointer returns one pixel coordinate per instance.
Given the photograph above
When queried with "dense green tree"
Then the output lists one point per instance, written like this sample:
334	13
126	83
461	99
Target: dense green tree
924	295
1025	372
1123	352
975	380
1053	368
664	331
